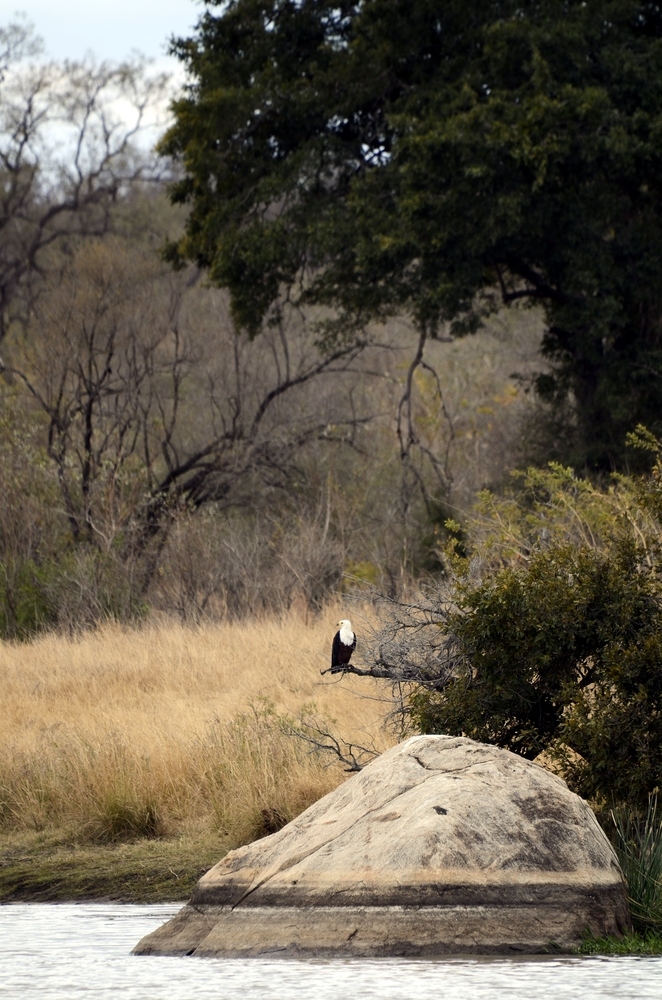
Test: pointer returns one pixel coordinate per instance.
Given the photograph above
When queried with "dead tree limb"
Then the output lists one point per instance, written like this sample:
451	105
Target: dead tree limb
319	738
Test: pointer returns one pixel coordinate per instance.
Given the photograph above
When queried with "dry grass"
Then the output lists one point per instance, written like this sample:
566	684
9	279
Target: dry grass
123	733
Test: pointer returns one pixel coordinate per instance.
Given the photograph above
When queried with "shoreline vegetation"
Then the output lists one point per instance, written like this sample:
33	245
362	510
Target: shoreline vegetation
41	868
132	760
634	943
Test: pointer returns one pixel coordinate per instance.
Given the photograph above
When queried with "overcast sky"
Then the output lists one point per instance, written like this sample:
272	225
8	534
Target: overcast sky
111	29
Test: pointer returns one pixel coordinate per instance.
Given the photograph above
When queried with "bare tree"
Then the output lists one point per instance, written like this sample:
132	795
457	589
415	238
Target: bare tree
68	147
236	564
154	406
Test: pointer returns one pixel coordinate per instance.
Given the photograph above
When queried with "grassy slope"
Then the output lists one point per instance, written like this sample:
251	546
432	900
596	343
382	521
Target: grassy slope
169	680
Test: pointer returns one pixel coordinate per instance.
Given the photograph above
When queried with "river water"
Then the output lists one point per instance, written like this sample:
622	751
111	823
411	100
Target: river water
68	951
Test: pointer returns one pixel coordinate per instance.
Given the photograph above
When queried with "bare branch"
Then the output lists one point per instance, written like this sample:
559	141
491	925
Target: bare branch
318	736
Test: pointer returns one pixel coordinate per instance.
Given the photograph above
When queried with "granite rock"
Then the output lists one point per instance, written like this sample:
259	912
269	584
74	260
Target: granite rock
440	846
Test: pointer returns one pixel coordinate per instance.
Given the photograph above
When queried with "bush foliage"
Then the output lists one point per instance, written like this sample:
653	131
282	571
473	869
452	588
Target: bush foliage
556	630
638	843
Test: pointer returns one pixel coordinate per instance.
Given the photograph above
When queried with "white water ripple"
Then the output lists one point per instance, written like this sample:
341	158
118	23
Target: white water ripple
72	951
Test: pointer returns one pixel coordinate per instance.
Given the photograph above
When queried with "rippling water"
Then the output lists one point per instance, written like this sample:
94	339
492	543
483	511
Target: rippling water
67	951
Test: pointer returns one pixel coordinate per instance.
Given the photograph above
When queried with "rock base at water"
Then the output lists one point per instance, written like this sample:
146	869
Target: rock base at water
440	846
368	931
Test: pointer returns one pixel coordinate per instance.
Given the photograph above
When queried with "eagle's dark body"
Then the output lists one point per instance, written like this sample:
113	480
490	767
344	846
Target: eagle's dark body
341	653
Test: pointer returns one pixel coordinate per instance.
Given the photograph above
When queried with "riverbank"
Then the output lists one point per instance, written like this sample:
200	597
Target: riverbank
636	943
41	868
132	760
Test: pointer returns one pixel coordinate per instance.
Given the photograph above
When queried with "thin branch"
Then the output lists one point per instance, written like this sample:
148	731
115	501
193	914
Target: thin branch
320	738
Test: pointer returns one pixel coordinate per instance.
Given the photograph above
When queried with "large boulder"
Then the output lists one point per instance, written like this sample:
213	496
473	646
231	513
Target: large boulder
441	845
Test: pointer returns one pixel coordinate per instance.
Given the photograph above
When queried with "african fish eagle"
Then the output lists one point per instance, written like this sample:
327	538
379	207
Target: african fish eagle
344	644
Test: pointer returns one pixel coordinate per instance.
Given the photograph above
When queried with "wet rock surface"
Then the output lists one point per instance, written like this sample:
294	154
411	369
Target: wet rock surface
441	845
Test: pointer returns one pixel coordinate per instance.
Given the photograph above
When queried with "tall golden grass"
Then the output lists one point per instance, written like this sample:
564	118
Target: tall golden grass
121	732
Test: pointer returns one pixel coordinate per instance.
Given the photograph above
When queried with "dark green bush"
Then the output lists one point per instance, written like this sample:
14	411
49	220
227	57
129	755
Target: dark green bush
25	604
566	650
556	633
78	588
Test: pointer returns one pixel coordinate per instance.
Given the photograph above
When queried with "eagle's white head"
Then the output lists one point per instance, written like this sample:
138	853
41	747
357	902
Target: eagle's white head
346	634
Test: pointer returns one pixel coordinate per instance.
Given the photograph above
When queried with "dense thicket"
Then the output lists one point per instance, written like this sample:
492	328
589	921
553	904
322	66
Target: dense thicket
546	636
151	458
435	157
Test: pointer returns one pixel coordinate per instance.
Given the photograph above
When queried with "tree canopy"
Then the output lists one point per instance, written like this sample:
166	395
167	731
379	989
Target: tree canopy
439	158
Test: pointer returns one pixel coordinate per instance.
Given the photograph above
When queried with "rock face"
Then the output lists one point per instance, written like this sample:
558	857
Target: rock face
440	846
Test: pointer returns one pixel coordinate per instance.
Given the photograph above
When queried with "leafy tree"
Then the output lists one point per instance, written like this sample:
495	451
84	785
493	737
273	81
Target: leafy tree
439	158
547	636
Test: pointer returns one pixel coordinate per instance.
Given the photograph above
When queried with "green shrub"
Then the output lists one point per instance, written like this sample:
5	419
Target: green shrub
638	843
25	604
78	588
554	638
